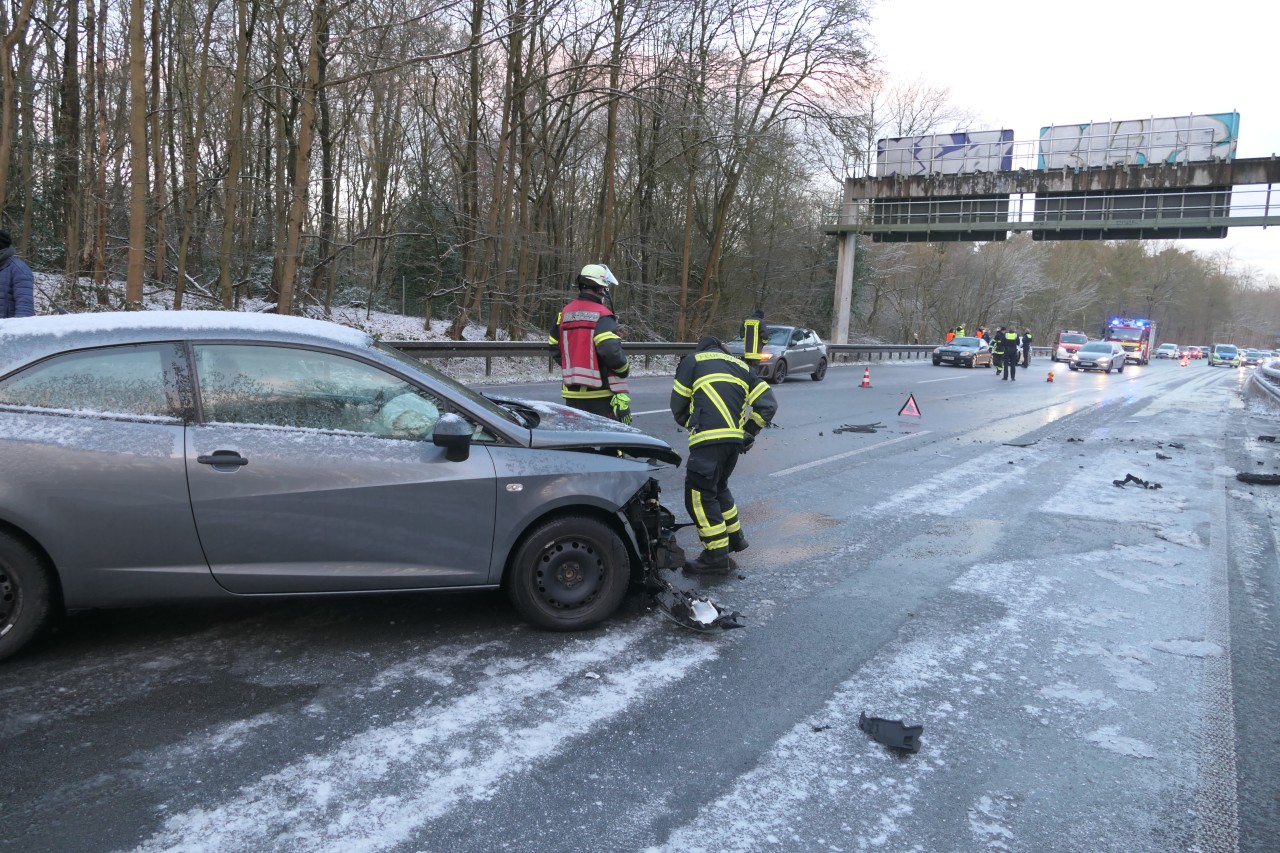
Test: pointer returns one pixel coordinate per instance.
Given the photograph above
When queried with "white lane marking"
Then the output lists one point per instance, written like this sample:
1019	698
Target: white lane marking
651	412
943	379
846	454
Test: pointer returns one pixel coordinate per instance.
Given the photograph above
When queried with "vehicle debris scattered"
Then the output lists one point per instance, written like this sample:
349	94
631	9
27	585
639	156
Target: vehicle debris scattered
1259	479
1129	478
892	733
1271	438
686	608
1160	455
858	427
676	596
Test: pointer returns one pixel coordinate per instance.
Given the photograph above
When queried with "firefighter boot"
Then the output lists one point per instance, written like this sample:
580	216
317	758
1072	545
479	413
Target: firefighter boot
709	563
737	542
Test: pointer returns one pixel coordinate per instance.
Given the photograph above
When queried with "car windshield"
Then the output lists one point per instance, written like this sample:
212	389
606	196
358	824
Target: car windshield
779	336
1096	346
1229	352
1074	339
1125	334
1169	346
478	400
966	342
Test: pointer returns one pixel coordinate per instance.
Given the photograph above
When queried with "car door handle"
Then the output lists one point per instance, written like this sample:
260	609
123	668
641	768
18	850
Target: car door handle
222	457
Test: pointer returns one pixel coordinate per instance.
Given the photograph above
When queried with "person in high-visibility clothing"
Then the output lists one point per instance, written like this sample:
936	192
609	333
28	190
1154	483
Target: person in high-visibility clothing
586	345
753	338
1011	354
723	404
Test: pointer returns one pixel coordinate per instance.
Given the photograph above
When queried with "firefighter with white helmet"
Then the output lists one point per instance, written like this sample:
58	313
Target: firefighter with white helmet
586	345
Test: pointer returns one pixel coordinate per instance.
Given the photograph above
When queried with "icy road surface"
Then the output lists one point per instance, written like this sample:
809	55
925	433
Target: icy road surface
1094	666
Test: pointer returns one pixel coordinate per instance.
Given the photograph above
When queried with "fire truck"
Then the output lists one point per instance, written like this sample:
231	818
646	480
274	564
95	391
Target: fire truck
1135	335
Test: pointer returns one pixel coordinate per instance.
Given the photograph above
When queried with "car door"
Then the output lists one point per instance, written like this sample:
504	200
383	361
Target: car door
92	467
315	471
802	351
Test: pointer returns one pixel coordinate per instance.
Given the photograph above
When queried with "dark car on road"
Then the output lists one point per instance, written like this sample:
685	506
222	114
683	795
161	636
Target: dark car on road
1099	355
155	457
786	351
964	352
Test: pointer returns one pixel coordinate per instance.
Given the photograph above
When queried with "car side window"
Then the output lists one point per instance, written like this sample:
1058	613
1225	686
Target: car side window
125	380
300	388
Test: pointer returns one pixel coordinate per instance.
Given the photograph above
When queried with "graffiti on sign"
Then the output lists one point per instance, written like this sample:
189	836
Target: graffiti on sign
1140	142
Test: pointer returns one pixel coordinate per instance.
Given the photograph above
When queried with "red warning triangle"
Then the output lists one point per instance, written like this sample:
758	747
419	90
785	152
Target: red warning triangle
910	407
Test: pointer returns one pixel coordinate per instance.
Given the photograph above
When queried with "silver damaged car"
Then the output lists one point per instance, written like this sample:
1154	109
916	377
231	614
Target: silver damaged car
180	456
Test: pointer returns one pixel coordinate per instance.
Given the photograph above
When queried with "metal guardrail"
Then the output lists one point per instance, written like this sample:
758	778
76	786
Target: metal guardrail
1266	382
489	350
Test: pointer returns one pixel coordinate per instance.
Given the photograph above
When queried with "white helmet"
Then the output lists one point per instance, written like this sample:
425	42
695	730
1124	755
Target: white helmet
597	275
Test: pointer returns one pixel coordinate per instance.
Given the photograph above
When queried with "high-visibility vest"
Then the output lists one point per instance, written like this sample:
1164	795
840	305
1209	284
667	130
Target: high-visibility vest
751	339
578	339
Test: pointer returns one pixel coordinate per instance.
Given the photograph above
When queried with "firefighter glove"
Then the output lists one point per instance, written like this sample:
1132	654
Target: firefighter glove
621	404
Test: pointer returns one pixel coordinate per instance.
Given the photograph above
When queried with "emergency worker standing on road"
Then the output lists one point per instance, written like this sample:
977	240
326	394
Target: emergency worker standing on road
1026	347
723	404
997	349
752	338
593	365
1010	355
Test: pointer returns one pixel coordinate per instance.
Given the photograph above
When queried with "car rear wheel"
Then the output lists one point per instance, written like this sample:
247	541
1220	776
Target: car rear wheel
1120	369
818	374
569	573
780	373
26	596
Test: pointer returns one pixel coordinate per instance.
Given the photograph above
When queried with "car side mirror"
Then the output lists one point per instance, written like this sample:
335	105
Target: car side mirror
453	434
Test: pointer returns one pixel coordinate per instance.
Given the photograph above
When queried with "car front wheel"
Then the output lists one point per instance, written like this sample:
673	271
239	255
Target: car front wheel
818	374
937	362
26	596
780	373
569	573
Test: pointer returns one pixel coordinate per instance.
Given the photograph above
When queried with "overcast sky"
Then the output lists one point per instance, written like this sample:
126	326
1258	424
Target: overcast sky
1030	64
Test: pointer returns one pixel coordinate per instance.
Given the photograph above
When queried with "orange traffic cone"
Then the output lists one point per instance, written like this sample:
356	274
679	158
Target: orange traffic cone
1050	379
866	378
1184	361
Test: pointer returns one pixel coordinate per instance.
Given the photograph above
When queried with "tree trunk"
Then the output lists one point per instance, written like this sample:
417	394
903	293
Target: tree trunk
302	163
7	44
235	144
157	147
68	145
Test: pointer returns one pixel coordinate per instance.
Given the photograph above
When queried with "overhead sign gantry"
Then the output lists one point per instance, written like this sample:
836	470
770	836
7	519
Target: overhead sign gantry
1157	178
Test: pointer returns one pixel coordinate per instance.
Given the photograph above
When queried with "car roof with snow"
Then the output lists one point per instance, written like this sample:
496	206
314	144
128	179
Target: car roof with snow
29	338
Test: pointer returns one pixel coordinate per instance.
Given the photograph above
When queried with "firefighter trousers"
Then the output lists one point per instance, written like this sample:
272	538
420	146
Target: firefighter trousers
595	405
707	496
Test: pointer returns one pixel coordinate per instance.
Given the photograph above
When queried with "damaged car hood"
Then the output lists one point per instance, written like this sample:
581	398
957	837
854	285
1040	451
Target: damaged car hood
555	426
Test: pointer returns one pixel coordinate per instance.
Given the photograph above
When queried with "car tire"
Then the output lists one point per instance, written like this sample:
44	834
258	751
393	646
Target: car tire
821	372
780	373
568	574
937	362
1120	369
26	596
1072	367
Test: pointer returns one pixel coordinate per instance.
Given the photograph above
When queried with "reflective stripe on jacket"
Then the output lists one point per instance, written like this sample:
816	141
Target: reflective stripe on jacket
712	394
751	339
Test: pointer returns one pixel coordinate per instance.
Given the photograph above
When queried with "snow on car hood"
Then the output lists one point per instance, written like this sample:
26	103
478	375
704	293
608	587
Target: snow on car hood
561	427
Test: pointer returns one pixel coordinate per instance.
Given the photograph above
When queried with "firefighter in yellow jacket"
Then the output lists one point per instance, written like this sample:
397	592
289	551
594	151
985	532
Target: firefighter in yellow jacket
723	404
586	345
753	338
